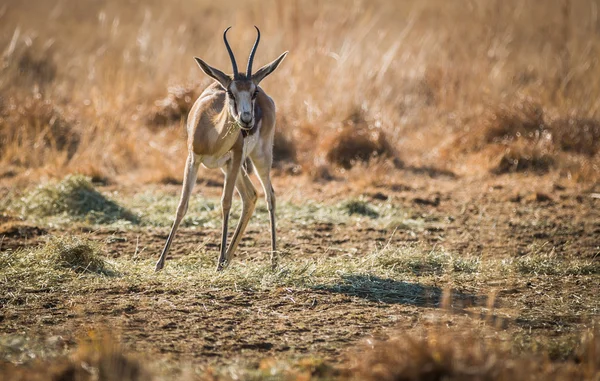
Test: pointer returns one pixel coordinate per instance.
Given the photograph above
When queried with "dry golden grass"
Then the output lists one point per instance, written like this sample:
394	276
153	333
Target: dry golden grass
83	88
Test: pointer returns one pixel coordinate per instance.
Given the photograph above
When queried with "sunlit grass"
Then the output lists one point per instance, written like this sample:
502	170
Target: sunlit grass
81	263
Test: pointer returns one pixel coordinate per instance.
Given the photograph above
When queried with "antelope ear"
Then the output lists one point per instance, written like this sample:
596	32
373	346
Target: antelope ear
215	74
267	69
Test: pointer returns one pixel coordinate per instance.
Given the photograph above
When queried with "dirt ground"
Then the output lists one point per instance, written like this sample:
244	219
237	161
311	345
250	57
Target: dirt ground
489	217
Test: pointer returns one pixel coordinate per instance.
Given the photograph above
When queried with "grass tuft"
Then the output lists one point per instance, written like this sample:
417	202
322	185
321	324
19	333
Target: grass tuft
466	265
75	253
417	263
76	197
78	254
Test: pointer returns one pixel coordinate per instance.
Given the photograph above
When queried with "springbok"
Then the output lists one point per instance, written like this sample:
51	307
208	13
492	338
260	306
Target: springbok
232	120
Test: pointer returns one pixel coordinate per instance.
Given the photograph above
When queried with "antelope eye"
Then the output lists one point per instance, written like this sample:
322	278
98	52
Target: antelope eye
230	94
255	94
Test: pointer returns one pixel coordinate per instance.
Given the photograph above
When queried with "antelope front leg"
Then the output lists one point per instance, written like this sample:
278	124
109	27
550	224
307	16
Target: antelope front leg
230	179
189	179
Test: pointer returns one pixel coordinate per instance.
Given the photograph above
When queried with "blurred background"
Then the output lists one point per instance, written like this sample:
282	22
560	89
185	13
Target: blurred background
103	87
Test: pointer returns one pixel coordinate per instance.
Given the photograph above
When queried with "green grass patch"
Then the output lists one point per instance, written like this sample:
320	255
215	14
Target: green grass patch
75	199
155	208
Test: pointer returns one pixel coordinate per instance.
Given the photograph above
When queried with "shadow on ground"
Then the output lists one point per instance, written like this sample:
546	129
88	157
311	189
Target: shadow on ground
385	290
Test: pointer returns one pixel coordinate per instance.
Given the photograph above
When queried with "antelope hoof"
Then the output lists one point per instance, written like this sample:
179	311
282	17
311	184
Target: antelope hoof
274	261
159	266
222	265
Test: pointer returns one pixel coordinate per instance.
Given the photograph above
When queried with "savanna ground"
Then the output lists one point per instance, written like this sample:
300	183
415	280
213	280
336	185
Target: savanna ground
436	170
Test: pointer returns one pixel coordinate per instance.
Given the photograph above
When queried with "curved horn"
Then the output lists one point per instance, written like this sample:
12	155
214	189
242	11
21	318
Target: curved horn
249	69
231	57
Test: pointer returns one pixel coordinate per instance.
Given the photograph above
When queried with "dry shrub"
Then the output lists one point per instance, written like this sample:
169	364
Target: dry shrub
356	142
524	158
32	125
446	354
523	119
175	107
39	69
504	124
576	134
284	148
319	173
532	141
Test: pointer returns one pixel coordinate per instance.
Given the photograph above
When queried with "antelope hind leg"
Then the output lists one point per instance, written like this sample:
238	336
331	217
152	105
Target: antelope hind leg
248	194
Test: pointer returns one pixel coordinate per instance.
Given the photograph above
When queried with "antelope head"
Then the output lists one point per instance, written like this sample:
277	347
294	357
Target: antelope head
241	88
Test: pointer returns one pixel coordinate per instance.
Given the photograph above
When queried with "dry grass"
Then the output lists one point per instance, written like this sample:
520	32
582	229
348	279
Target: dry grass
32	129
98	357
60	260
74	253
356	142
437	353
576	134
79	85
